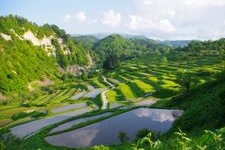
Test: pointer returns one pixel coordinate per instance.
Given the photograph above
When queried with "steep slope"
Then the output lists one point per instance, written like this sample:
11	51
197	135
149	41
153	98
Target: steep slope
30	52
203	107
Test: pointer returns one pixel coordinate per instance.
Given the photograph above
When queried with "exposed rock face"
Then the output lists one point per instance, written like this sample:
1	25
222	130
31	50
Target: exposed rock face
30	36
45	42
63	47
74	69
6	37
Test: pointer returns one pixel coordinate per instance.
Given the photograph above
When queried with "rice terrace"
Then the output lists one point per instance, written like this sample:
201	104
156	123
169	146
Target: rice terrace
109	78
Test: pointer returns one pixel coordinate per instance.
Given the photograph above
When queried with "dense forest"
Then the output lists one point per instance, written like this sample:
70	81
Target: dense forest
125	48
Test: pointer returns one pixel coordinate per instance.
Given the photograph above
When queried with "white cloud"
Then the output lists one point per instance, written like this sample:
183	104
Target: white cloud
214	32
171	13
205	2
176	16
111	18
67	18
163	19
81	17
93	21
165	26
147	2
139	23
136	22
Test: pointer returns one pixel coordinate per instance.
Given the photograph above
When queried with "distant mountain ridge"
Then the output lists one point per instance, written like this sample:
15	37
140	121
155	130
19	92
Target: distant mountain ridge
176	43
171	43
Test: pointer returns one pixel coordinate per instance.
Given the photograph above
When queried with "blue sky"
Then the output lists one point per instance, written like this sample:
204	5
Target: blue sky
159	19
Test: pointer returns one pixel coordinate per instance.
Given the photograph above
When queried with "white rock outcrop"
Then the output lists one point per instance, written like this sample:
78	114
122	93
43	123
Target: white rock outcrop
45	42
6	36
63	46
30	36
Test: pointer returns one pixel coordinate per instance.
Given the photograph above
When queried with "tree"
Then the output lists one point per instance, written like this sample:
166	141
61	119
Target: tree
142	133
111	62
222	57
84	75
122	136
186	81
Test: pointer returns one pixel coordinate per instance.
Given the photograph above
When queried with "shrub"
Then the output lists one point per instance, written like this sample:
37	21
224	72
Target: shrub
122	137
142	133
34	114
37	114
19	115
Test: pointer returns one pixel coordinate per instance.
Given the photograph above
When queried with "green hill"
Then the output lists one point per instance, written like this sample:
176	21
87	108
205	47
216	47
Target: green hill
88	41
125	48
30	52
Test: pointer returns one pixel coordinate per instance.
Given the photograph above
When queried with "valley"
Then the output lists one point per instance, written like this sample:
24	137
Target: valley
59	91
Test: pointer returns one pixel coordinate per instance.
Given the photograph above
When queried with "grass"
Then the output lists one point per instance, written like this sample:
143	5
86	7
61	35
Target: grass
150	74
111	96
142	85
8	113
97	83
54	98
203	107
170	84
126	91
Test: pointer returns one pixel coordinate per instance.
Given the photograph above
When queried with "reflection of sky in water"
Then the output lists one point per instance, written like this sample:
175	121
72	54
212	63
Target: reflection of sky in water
155	115
106	131
89	135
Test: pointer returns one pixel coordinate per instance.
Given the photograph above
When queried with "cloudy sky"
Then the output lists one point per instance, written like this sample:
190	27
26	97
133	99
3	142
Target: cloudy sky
158	19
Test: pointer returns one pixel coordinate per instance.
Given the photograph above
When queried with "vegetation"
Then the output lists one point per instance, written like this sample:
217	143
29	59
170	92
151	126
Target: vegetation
111	62
88	41
190	78
122	136
116	45
22	62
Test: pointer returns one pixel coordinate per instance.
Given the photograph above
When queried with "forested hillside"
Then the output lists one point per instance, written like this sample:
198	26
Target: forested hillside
125	48
217	45
30	52
88	41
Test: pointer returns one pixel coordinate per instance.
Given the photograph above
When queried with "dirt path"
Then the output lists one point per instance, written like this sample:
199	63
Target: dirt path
105	102
105	80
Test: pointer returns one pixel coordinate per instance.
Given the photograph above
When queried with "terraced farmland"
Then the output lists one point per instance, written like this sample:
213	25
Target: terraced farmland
54	98
132	84
150	76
